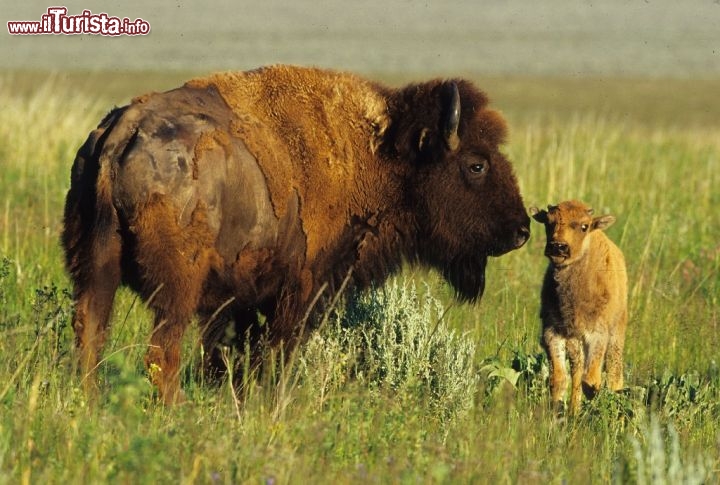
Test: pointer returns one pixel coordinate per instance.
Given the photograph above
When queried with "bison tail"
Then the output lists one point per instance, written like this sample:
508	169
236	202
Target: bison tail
90	218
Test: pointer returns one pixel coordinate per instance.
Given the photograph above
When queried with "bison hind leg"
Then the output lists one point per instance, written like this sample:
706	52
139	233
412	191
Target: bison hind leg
95	281
173	263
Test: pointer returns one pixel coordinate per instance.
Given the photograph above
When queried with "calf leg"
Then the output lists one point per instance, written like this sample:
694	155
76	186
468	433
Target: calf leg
554	346
614	357
577	365
595	344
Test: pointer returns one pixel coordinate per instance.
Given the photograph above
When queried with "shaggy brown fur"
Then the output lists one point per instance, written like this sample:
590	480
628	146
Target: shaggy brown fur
584	301
257	192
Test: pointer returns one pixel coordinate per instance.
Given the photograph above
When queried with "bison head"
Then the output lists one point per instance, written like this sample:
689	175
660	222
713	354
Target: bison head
464	191
567	226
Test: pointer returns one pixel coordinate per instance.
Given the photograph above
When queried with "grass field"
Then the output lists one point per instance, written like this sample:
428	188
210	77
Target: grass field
401	384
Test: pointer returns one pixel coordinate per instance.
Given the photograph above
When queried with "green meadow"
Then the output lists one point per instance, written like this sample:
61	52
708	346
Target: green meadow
400	384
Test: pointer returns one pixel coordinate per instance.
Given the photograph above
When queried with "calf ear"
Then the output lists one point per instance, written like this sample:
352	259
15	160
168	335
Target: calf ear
602	222
538	215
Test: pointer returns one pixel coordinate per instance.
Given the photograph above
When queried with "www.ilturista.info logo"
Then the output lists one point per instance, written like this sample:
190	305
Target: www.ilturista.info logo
57	21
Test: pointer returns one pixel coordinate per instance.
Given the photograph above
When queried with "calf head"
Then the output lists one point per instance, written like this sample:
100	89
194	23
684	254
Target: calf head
568	227
464	190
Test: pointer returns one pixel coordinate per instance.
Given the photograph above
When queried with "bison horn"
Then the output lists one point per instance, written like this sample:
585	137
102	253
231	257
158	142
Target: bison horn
453	119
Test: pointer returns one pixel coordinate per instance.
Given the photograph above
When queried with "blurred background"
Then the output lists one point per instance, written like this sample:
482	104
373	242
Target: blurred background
617	38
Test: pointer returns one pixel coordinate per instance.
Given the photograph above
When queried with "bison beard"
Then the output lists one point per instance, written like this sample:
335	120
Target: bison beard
467	277
257	192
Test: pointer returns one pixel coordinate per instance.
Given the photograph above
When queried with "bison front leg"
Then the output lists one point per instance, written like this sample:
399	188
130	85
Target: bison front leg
554	346
237	328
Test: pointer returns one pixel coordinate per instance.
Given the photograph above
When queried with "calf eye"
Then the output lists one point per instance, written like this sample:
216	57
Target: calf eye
584	227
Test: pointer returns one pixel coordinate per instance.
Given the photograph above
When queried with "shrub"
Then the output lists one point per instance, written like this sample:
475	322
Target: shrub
658	459
392	338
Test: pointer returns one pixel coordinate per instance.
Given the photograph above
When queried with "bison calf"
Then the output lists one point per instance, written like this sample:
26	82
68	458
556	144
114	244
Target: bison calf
584	301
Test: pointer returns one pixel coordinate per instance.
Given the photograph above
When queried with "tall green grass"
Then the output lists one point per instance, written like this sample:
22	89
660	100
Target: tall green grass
401	384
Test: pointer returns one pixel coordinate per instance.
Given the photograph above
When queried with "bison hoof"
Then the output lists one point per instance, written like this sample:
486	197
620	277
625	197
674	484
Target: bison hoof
589	390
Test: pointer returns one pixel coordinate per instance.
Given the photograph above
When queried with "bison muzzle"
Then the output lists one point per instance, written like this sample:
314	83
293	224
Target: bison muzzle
262	192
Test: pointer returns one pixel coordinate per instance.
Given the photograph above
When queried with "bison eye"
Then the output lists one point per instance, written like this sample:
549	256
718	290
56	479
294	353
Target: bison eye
478	167
584	227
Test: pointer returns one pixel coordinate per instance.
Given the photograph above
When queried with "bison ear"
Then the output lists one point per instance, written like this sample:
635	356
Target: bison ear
538	215
452	118
602	222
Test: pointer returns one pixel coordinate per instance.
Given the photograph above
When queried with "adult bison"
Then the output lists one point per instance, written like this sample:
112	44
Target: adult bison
261	191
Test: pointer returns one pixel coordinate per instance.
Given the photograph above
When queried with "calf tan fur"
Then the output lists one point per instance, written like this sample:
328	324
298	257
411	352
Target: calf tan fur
584	301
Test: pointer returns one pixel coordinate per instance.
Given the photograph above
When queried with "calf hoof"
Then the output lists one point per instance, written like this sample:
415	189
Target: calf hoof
589	390
558	408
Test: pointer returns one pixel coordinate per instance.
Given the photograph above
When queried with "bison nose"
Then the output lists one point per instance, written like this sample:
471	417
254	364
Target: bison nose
522	236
